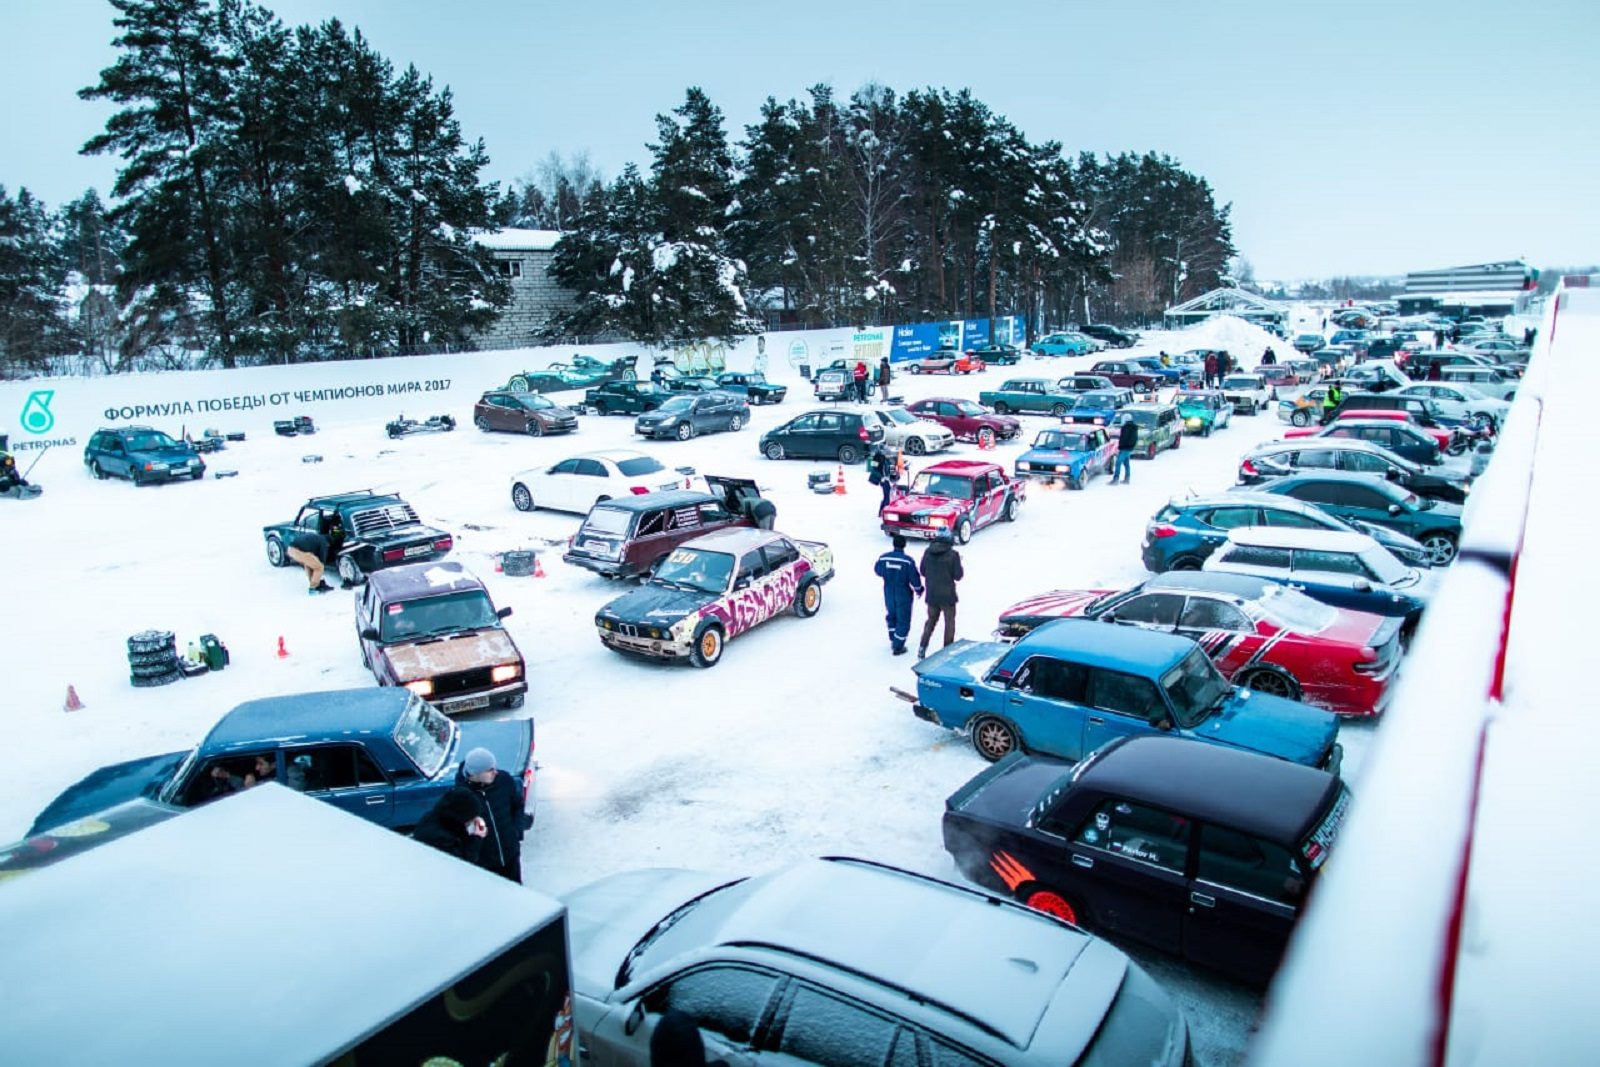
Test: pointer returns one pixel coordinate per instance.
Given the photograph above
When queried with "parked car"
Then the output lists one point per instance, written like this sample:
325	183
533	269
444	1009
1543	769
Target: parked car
1277	458
626	537
1184	533
996	355
1421	366
625	398
579	482
1127	374
1345	570
1075	385
1388	429
842	435
1502	348
958	495
1248	393
1307	342
1159	426
1433	524
1259	634
1063	344
1204	411
1099	406
690	383
1166	373
366	532
1036	396
1349	336
1111	336
529	413
684	417
142	455
904	431
1370	377
1458	400
433	629
967	420
752	386
1487	380
1278	375
808	964
1072	685
833	383
1072	455
1307	370
1139	842
385	755
943	361
582	372
713	588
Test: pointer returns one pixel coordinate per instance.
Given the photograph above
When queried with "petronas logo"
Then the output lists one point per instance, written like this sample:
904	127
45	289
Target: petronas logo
36	415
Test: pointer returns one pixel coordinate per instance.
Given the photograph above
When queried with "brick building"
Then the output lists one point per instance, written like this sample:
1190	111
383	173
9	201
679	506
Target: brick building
524	258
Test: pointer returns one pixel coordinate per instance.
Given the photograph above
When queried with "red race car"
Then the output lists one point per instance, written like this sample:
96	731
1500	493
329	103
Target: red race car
959	495
967	419
1261	635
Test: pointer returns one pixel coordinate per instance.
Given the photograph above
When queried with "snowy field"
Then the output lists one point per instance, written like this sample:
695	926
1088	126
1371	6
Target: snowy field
793	746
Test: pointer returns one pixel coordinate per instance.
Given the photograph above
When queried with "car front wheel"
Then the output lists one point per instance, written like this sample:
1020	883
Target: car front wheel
482	423
774	450
1441	548
685	431
98	471
534	428
916	446
963	531
1000	407
1010	512
994	738
707	647
1300	418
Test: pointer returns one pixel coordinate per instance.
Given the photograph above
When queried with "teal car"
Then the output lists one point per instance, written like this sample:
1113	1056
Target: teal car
1203	410
1072	454
1037	396
1064	344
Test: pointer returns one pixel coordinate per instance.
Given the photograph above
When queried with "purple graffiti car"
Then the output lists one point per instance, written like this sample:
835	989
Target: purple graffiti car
712	589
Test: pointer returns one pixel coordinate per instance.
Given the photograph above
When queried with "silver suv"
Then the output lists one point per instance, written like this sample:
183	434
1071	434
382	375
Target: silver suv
841	961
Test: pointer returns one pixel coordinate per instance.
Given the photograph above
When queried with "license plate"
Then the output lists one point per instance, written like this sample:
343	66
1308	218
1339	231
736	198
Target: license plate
419	550
596	546
667	487
466	704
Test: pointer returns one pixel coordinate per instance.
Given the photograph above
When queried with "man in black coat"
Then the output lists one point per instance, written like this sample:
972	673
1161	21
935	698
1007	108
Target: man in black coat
941	570
500	802
454	826
1127	441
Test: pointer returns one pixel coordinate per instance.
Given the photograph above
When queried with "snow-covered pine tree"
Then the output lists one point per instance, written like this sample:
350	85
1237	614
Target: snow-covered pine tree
31	324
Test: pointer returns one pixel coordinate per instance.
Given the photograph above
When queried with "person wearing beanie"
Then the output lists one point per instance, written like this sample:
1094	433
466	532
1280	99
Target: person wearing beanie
500	800
454	826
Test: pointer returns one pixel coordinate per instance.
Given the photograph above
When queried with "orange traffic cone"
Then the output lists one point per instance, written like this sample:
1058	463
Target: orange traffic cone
538	568
838	486
73	703
283	653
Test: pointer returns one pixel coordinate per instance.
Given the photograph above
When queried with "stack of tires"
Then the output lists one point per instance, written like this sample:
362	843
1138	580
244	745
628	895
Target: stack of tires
153	658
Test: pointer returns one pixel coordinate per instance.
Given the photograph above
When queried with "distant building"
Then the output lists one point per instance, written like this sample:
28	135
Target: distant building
1478	289
524	258
1237	302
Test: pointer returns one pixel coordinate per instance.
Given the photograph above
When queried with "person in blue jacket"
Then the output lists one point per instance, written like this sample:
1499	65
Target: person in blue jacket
902	584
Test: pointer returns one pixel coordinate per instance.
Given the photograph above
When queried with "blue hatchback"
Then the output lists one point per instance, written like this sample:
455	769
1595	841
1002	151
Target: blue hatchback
142	455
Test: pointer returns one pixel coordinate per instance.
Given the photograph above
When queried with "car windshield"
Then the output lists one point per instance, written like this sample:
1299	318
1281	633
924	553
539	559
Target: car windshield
1143	418
533	402
931	483
432	616
1382	562
635	466
1293	610
691	925
899	415
692	568
1062	442
1239	383
141	442
425	734
607	522
967	407
1096	399
678	404
1194	688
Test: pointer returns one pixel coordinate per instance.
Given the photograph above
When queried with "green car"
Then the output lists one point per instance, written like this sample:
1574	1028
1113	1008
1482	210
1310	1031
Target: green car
625	398
1037	396
1160	427
581	373
1203	410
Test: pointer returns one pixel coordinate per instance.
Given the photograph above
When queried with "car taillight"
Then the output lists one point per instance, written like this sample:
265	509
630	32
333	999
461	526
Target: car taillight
1369	662
862	433
392	554
1248	469
1163	530
639	490
444	544
527	774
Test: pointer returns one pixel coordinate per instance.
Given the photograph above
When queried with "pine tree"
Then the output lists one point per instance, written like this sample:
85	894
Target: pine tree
31	309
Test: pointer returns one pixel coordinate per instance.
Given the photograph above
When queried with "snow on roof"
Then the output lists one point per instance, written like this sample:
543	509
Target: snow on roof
515	240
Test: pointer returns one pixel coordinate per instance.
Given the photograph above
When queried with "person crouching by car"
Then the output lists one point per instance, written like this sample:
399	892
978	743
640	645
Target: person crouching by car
454	826
500	802
309	548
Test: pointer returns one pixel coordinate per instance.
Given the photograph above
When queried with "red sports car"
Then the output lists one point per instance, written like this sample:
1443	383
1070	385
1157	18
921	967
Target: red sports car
1261	635
958	495
968	420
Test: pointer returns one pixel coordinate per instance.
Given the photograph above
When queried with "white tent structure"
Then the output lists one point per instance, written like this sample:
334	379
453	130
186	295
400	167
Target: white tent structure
1236	302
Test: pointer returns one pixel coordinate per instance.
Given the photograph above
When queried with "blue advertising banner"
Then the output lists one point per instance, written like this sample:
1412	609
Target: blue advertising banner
924	338
915	342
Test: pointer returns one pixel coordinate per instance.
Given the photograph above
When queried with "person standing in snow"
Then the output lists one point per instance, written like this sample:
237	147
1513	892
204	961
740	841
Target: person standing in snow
880	472
941	570
454	826
859	374
1127	441
901	587
1211	370
885	375
1269	358
500	802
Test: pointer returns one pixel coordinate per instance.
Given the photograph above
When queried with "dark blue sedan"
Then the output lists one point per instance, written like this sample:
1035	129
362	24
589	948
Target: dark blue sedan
383	754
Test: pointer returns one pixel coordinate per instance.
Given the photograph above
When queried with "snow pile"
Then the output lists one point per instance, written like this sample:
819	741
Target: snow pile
1244	340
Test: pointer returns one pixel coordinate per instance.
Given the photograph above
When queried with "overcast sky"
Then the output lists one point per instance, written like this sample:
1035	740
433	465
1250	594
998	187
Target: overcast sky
1351	137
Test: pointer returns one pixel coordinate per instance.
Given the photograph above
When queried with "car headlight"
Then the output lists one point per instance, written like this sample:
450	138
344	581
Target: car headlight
1193	422
1021	466
153	466
423	687
506	672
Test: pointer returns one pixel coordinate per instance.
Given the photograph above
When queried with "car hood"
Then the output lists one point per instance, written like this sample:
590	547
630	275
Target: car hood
605	919
660	416
1059	603
1287	729
106	787
1052	455
459	652
920	504
656	605
178	454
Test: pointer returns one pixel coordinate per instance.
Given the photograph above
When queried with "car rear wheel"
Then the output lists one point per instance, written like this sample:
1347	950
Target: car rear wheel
707	646
774	450
1302	417
994	738
849	453
1058	410
916	446
963	531
521	498
1441	548
277	555
534	428
809	600
482	423
1051	902
914	369
1273	683
600	407
1184	563
735	424
350	571
1150	452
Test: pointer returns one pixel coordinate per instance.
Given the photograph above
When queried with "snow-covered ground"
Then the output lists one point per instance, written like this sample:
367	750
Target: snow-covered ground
793	746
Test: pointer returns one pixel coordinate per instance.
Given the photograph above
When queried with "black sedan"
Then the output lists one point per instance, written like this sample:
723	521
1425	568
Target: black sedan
1139	842
684	417
689	383
753	387
997	355
625	398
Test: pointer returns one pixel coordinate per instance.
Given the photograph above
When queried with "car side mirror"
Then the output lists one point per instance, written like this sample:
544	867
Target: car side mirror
743	582
503	613
369	634
1158	719
1395	509
1392	474
635	1018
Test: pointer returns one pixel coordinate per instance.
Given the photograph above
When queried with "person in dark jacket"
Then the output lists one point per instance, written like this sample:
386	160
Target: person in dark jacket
309	549
901	587
1211	370
885	376
941	570
1269	358
500	802
880	472
454	826
1127	441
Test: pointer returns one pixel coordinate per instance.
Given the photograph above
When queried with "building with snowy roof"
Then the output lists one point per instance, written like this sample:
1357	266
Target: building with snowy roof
1476	289
1236	302
523	258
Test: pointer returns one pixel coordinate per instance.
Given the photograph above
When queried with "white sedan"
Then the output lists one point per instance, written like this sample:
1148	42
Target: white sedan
1461	401
903	430
579	483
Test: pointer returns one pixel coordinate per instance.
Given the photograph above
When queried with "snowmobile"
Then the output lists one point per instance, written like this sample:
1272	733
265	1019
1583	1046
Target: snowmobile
14	485
404	427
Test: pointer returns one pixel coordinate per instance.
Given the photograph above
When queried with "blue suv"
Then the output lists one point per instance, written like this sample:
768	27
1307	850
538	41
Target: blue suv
1183	534
141	455
1372	502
